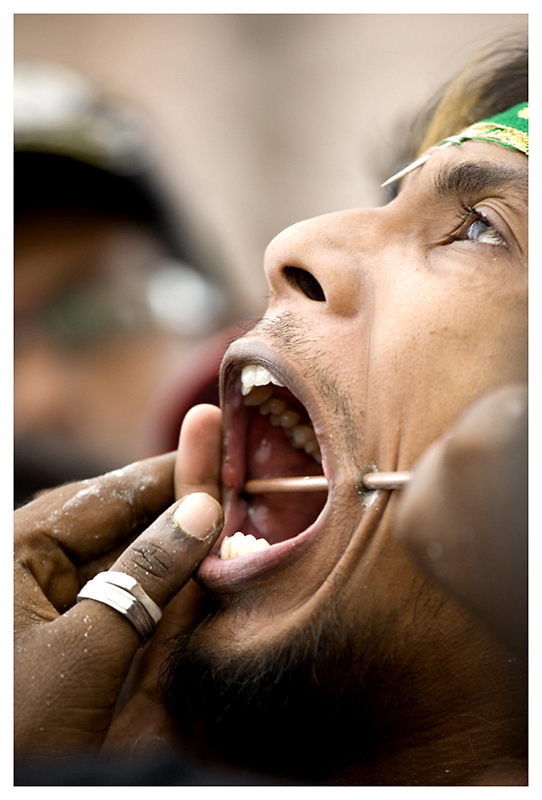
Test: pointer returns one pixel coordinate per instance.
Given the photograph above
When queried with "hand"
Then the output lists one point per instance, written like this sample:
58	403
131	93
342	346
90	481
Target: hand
142	721
71	659
464	515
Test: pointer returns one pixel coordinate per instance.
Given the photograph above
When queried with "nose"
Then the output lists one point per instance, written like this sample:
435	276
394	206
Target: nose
325	260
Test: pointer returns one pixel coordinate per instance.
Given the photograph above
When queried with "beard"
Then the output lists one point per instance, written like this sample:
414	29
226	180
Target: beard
314	707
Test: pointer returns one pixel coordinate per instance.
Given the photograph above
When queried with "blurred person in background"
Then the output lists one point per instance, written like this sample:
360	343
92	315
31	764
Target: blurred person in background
108	300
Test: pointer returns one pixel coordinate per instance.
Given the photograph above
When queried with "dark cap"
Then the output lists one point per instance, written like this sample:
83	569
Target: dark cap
73	149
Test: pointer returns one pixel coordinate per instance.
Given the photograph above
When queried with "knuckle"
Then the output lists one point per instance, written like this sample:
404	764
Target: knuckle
411	519
149	558
466	448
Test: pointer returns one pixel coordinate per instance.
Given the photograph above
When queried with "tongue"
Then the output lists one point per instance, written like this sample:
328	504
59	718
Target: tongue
270	454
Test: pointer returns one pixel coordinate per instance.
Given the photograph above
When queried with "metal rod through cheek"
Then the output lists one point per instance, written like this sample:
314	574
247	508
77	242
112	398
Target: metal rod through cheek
318	483
308	483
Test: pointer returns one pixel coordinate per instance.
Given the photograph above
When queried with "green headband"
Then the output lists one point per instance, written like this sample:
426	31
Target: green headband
509	128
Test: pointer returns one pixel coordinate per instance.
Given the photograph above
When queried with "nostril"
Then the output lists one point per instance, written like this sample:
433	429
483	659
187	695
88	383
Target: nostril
305	282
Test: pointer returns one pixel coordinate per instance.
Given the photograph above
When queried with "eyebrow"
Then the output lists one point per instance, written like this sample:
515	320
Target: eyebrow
472	177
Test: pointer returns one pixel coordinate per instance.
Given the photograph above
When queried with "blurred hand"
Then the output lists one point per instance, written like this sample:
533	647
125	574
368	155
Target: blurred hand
464	515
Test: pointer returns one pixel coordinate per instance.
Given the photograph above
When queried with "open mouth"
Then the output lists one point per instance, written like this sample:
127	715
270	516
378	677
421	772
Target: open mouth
268	435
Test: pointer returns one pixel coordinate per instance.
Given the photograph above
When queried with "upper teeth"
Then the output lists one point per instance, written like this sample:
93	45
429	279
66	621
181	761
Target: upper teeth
255	387
256	375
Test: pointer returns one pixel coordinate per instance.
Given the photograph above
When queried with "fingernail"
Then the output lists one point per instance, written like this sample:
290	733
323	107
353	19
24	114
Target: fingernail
199	515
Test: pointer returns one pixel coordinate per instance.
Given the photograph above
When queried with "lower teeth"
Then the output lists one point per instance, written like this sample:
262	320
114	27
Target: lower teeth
241	545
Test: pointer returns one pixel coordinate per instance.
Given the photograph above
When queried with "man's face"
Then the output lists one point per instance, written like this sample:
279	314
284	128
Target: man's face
382	326
419	308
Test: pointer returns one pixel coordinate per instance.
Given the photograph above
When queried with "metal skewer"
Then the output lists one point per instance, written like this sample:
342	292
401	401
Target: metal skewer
309	483
386	480
318	483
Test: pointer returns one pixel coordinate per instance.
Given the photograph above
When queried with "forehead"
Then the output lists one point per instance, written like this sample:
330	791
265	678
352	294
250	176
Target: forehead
475	167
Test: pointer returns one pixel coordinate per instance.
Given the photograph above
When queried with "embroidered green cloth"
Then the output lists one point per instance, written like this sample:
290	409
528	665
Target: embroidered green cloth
510	129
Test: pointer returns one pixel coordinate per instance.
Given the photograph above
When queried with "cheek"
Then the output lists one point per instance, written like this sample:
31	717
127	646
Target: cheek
464	328
429	352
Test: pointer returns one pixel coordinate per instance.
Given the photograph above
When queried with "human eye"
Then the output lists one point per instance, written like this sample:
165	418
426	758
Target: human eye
476	227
